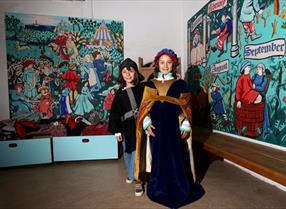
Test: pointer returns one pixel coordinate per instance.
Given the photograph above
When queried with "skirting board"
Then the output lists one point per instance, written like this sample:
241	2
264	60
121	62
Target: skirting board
279	186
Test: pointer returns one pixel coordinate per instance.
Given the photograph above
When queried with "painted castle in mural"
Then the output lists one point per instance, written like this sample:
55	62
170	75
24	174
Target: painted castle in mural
61	66
237	67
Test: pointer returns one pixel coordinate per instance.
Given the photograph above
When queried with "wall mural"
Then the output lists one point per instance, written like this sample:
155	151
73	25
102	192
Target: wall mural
236	65
61	66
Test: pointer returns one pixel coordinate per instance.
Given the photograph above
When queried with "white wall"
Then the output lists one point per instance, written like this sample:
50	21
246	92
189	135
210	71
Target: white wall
148	26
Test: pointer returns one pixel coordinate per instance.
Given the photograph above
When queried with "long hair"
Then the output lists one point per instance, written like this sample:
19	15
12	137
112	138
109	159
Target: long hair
157	70
122	82
173	56
129	64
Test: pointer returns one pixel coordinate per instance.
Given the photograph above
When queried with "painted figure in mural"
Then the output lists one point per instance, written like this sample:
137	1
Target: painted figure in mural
165	151
19	102
108	102
59	46
261	83
71	48
83	75
197	49
93	79
223	32
45	104
197	38
218	104
245	93
83	101
99	65
71	79
48	77
30	79
123	114
248	11
65	108
259	80
108	70
65	47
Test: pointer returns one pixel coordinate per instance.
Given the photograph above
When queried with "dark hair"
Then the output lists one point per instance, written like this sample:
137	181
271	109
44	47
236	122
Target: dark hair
129	64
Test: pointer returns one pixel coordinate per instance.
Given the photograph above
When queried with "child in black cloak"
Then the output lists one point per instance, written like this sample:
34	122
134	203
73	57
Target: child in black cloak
123	115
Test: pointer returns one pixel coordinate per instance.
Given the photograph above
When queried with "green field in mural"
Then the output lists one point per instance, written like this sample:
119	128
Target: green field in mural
236	67
62	66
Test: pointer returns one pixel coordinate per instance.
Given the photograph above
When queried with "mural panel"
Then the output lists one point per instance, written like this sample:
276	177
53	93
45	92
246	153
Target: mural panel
236	64
62	66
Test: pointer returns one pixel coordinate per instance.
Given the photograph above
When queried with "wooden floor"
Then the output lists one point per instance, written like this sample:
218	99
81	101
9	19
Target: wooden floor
101	185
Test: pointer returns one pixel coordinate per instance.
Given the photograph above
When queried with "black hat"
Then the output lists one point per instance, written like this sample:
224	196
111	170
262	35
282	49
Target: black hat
129	63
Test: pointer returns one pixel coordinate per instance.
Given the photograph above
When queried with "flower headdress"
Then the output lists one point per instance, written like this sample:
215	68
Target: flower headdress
168	52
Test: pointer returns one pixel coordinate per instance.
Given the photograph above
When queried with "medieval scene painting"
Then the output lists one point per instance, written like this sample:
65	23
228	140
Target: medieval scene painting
62	66
237	67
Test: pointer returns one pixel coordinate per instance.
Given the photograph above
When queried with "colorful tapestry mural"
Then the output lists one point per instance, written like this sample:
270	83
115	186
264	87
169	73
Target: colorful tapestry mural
236	64
62	66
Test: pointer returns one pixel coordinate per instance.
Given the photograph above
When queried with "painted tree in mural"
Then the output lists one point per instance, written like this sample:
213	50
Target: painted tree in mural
25	36
277	81
208	78
231	76
278	134
75	21
265	17
89	25
115	58
117	29
119	41
13	24
276	7
78	39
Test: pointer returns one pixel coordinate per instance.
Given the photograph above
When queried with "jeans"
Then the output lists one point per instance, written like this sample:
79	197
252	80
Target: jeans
129	162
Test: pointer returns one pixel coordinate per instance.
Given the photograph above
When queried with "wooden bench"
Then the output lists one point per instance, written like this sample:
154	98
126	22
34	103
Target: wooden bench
263	160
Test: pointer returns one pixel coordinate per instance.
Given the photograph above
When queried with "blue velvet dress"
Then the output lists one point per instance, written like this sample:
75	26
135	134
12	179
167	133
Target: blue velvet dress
171	181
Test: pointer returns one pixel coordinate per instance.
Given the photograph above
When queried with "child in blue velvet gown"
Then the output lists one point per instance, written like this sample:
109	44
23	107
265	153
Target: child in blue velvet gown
164	154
